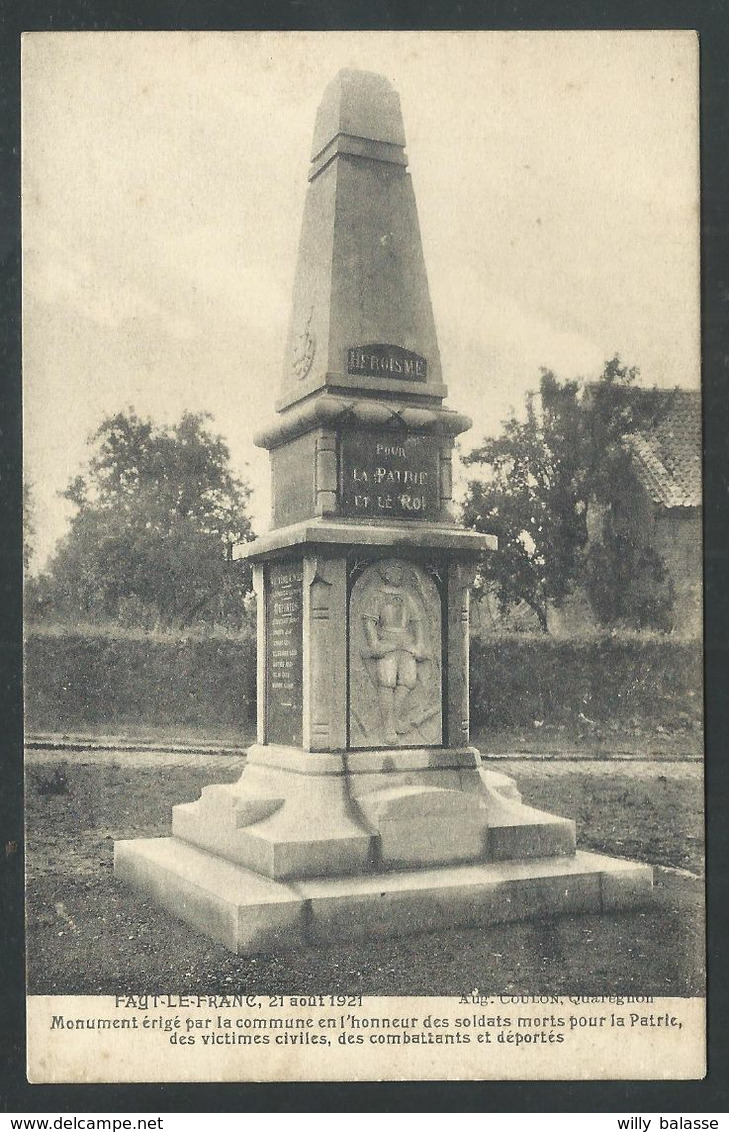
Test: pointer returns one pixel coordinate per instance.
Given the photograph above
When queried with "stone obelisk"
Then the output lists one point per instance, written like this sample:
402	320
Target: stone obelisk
363	810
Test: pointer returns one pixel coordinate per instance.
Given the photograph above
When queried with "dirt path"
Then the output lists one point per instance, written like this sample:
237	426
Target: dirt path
227	759
553	767
142	757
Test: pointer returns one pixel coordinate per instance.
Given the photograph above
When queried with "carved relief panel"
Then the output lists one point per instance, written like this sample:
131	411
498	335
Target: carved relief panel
395	676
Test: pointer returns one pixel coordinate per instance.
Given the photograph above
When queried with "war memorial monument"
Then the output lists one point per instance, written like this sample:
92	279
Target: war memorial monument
362	810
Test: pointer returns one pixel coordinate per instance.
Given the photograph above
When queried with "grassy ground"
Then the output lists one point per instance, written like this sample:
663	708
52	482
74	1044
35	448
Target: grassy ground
87	934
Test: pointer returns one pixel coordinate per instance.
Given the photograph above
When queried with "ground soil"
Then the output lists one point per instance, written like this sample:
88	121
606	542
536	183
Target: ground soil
89	935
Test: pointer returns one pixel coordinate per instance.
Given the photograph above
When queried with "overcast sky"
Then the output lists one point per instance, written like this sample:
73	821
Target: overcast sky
164	174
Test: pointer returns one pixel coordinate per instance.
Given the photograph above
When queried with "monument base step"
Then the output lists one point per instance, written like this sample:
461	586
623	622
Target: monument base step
253	914
294	814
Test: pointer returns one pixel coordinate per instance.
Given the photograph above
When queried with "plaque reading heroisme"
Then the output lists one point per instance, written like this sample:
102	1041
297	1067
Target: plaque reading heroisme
386	361
284	648
387	475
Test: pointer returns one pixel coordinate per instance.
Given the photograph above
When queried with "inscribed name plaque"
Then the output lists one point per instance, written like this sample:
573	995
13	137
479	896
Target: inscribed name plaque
389	475
284	649
386	361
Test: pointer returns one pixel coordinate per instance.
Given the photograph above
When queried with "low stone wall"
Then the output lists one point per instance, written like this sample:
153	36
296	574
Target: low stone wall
77	680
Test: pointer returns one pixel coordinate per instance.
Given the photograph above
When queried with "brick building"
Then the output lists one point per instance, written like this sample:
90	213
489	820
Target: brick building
667	463
666	503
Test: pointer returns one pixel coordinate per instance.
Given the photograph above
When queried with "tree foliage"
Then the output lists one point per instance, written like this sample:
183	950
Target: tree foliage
157	513
569	458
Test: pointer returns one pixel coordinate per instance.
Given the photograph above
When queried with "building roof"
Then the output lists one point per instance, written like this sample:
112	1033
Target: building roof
667	452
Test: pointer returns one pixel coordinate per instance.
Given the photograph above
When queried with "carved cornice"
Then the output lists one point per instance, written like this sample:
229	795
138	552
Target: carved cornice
333	411
334	535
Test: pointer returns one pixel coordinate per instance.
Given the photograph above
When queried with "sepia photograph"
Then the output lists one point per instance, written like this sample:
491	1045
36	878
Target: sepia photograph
363	556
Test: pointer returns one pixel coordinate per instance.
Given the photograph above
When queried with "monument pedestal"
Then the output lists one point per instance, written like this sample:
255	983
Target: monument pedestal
295	814
252	914
331	834
363	810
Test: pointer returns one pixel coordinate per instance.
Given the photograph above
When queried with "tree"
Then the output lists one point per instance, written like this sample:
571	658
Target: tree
158	511
543	476
530	499
624	577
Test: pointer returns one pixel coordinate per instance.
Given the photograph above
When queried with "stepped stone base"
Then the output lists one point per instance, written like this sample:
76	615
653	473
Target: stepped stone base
295	814
249	913
315	848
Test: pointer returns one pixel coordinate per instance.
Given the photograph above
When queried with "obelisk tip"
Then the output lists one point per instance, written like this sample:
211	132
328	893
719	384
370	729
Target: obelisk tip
361	104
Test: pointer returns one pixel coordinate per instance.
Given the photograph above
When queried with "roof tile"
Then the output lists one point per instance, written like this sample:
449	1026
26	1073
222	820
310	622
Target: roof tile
667	453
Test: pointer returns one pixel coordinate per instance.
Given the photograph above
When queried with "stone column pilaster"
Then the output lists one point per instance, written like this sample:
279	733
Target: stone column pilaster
446	478
325	474
325	653
260	591
461	576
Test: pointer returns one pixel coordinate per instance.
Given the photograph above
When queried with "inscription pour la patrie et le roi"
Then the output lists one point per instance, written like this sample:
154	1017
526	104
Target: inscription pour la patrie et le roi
396	476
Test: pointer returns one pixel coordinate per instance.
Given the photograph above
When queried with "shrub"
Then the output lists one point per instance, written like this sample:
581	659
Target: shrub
76	679
80	679
518	679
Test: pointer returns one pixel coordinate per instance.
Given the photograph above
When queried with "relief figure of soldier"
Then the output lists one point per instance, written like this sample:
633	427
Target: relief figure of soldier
395	697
